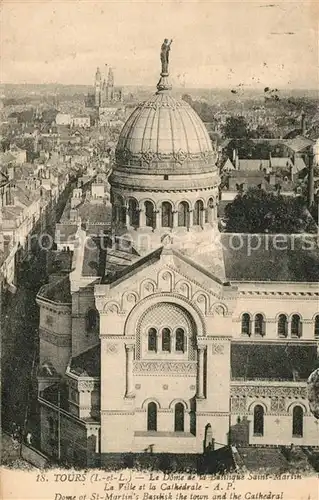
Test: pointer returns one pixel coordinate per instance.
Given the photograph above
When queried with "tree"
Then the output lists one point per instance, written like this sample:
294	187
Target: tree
257	211
187	98
262	132
235	128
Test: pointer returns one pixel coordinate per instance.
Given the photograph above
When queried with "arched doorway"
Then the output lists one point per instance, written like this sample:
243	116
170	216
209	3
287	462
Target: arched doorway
297	421
152	416
258	420
179	417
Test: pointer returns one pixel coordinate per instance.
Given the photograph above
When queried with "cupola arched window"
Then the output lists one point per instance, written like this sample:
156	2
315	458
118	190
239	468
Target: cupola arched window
297	421
167	214
198	213
134	214
152	416
150	220
259	326
317	326
180	340
166	340
245	324
296	326
282	329
258	420
183	214
210	210
152	340
121	209
179	417
92	320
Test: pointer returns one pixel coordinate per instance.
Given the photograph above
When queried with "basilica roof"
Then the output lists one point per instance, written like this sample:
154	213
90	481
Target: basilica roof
57	291
292	362
271	257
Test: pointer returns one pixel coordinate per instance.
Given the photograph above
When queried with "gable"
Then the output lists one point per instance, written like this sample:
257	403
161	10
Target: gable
170	274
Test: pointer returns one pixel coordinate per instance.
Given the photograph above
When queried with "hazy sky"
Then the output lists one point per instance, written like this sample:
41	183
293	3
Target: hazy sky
219	44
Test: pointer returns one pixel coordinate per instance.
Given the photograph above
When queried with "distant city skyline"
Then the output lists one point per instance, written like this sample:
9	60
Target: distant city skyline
217	44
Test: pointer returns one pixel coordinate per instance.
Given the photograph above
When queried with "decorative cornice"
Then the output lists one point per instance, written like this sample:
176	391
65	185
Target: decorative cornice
122	188
147	159
55	338
116	412
56	307
187	368
268	391
88	385
291	295
107	336
212	413
192	280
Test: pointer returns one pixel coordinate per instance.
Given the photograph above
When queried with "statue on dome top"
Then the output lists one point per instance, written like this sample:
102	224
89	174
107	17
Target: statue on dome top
166	47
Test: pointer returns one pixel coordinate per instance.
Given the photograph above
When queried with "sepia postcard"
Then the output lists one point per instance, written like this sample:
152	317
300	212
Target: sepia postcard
159	250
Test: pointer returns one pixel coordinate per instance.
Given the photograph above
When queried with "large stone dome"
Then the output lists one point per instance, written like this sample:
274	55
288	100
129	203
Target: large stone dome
164	183
164	136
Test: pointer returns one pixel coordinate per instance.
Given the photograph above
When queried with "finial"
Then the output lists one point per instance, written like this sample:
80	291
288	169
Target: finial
164	84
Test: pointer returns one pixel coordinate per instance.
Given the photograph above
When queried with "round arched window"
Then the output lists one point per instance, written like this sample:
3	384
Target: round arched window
180	340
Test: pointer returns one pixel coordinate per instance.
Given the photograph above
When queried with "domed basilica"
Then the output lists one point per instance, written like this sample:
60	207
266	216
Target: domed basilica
175	338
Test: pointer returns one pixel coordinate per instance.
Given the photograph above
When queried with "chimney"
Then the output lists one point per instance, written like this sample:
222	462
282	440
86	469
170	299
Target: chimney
311	190
237	161
234	155
303	123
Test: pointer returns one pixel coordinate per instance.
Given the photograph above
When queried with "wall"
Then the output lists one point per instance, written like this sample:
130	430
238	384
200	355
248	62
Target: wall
82	340
117	412
73	436
284	299
55	334
161	377
278	400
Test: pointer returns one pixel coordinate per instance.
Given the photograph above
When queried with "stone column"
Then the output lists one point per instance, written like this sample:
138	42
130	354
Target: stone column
158	219
175	219
191	218
209	210
200	373
127	218
129	348
288	328
215	210
97	442
142	218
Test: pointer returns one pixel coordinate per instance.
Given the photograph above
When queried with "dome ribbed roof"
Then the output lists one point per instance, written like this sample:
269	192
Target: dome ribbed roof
164	135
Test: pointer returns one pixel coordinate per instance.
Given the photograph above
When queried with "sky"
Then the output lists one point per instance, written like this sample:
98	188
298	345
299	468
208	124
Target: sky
215	43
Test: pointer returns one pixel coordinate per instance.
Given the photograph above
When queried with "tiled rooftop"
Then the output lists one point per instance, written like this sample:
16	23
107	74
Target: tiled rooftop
296	259
257	361
58	291
88	363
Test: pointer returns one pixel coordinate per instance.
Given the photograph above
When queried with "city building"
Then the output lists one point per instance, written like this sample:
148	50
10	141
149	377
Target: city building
166	331
82	121
63	119
105	93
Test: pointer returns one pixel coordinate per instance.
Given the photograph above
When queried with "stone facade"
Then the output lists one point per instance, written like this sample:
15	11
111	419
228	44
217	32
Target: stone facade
152	338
